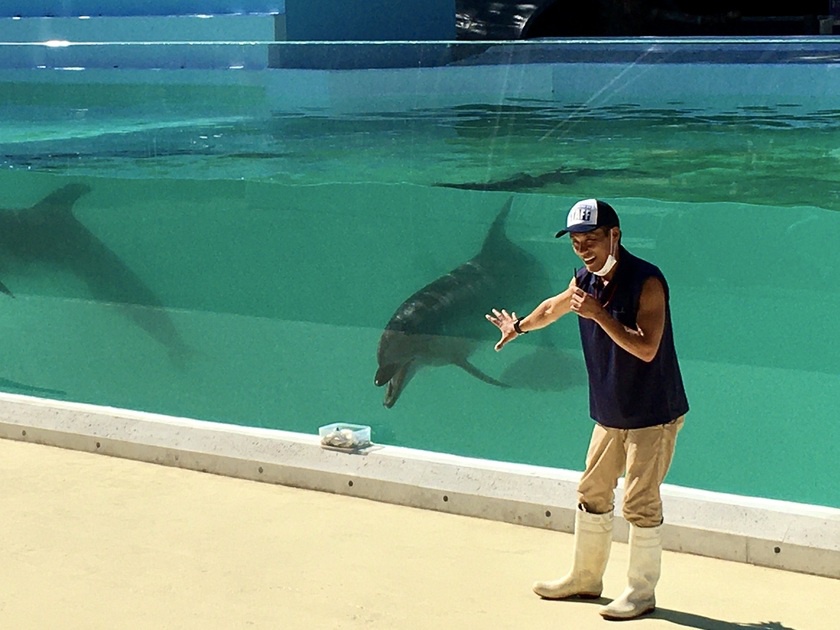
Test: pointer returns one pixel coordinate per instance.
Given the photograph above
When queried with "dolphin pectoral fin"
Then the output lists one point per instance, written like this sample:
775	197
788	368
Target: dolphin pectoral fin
469	368
6	290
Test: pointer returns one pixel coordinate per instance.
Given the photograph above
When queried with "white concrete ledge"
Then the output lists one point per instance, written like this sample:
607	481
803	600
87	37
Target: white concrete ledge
777	534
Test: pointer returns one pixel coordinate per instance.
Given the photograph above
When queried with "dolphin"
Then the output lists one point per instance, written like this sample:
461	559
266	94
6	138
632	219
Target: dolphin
48	235
525	182
443	323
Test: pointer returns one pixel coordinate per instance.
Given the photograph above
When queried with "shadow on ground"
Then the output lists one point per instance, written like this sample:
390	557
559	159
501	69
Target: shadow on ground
697	622
689	620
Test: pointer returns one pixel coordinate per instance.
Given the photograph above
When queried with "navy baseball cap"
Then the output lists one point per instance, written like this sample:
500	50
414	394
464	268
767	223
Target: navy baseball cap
588	215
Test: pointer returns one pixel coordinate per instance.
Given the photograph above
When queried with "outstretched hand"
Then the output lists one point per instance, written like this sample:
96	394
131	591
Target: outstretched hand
504	322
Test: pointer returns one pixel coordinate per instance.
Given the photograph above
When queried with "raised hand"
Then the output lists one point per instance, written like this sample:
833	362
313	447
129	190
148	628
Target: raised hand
504	322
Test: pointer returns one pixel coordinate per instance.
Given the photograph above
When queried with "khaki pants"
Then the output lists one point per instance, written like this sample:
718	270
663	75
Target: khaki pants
643	456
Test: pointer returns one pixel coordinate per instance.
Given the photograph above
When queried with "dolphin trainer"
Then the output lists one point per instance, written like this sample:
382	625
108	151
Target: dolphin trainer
443	323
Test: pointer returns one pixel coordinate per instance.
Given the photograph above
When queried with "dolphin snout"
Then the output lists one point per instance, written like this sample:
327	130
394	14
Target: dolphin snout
395	377
384	374
392	392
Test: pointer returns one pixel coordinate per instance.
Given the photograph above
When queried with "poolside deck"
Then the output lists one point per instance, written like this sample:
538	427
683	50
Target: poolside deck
91	541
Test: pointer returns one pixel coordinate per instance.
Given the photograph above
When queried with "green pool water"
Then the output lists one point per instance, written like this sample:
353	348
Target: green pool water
236	262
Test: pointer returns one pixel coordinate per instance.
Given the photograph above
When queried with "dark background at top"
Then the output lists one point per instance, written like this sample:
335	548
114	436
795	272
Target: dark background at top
517	19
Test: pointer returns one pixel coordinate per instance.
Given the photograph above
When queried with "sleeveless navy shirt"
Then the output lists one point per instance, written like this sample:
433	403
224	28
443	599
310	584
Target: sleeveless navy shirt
624	391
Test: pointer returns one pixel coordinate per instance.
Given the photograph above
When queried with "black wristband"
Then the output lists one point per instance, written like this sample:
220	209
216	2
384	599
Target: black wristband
516	327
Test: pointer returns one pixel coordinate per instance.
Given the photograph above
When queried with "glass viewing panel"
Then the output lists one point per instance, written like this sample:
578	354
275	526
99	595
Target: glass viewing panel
230	244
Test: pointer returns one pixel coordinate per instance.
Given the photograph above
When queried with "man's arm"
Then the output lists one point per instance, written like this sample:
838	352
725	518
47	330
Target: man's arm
548	312
643	341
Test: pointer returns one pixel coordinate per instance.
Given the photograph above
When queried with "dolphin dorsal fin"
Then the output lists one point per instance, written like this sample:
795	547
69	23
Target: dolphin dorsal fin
497	230
61	200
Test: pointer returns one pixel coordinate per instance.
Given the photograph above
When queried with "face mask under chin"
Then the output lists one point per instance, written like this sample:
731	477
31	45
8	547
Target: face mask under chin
609	264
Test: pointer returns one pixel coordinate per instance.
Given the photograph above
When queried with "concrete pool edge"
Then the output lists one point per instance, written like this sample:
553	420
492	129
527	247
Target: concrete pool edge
777	534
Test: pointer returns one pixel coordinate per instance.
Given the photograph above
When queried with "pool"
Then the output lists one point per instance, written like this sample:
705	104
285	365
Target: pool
227	243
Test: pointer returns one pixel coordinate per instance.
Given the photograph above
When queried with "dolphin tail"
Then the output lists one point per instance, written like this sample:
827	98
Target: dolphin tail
469	368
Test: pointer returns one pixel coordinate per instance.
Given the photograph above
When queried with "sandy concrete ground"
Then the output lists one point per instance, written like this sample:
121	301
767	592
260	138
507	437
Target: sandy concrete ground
89	542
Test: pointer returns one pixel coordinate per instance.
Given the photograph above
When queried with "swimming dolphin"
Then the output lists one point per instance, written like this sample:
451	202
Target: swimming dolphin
441	324
47	234
525	182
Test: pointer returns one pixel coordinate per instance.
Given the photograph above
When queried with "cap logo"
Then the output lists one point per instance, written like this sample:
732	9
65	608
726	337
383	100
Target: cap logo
584	212
587	215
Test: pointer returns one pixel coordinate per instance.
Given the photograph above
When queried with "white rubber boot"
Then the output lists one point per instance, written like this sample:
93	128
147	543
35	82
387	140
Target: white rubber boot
593	536
645	565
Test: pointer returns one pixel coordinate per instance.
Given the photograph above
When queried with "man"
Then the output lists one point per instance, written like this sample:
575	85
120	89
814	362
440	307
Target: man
636	397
